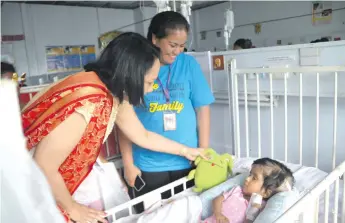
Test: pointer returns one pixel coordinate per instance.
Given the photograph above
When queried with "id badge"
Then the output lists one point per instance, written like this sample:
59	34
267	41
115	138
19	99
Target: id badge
169	121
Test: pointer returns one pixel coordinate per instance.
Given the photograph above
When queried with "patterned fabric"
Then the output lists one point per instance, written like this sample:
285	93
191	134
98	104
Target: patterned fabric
87	112
46	112
234	206
207	196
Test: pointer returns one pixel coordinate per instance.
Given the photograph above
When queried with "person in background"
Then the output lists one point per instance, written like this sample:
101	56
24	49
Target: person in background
25	193
242	44
7	70
178	108
66	123
323	39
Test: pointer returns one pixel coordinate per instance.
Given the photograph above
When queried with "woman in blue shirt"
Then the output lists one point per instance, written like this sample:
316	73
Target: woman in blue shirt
178	108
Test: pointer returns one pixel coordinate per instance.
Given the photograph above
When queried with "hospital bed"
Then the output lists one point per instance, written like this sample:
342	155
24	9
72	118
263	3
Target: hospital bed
321	194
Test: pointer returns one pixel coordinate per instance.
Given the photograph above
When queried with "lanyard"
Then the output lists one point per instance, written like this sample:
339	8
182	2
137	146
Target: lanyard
166	90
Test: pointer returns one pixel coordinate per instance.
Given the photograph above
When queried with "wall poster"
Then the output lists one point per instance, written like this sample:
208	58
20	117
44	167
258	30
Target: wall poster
321	13
105	38
69	58
218	62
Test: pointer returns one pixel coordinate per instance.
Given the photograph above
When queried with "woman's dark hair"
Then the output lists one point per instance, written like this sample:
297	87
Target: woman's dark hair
7	67
123	64
164	22
275	175
244	43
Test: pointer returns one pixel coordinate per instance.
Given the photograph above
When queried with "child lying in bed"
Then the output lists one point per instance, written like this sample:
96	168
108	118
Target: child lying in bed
267	177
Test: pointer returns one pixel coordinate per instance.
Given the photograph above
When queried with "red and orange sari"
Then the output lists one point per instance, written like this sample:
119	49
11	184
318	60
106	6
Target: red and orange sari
52	107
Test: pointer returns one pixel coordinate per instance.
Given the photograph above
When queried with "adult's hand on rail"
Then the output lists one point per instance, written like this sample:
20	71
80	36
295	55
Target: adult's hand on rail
82	214
131	173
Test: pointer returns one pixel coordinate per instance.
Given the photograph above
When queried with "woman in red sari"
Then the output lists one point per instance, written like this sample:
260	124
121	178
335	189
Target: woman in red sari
67	123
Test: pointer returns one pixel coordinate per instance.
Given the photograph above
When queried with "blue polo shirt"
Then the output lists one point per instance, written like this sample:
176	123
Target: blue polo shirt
188	90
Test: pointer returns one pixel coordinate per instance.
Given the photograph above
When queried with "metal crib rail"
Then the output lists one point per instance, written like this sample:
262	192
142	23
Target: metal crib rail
241	134
315	193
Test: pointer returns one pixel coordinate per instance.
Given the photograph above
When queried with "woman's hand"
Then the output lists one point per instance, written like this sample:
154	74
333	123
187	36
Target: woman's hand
102	159
192	154
131	173
82	214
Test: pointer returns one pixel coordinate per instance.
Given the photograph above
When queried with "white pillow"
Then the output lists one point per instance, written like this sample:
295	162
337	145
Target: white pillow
277	205
244	164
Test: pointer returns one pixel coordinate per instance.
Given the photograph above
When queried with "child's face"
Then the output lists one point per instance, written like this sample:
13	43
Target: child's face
254	182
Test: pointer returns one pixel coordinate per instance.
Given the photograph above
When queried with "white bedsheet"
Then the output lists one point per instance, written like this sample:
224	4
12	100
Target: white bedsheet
186	209
306	178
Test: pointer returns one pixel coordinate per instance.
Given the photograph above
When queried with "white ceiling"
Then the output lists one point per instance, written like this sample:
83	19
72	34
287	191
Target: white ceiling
117	4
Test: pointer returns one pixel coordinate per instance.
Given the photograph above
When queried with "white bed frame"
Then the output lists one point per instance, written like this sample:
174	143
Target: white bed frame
307	213
152	199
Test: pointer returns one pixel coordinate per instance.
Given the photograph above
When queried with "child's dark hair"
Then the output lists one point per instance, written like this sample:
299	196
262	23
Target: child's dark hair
244	43
166	21
276	176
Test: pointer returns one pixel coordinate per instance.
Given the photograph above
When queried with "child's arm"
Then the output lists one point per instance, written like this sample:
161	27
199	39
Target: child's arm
217	204
217	209
253	212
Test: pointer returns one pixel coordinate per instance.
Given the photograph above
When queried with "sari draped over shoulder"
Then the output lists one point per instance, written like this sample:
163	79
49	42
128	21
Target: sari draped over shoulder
49	109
